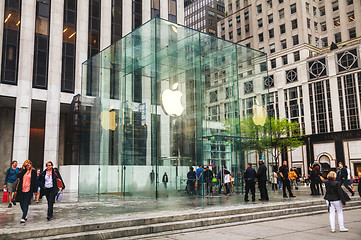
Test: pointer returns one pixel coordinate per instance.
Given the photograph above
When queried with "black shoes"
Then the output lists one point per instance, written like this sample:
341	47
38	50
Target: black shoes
293	196
285	196
49	218
10	205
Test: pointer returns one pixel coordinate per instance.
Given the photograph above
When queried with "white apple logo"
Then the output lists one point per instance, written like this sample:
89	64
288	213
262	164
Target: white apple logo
259	114
171	101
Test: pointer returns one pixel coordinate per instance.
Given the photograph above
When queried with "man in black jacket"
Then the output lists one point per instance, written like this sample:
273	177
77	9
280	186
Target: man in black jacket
342	177
262	180
285	181
250	179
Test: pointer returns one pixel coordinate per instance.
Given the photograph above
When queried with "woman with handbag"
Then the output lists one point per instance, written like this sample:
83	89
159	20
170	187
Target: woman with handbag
50	183
27	185
335	197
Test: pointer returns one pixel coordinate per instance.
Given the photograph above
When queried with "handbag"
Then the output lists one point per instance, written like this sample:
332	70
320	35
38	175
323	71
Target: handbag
59	183
59	196
345	195
5	196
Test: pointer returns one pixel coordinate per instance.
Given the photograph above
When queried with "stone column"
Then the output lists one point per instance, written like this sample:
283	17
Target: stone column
2	12
146	10
164	9
127	17
81	42
106	24
180	12
52	119
25	78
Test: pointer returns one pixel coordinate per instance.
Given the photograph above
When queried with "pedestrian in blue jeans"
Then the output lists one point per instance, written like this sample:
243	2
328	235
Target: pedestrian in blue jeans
342	177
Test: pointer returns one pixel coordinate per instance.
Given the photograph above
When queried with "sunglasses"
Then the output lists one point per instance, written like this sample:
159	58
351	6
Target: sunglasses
49	165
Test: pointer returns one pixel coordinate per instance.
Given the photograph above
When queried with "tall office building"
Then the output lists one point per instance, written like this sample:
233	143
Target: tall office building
314	71
203	15
44	43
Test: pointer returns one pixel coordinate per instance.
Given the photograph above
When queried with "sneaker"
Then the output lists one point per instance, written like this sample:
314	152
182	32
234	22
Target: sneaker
343	229
37	201
285	196
14	203
333	230
26	218
10	205
352	194
22	221
293	196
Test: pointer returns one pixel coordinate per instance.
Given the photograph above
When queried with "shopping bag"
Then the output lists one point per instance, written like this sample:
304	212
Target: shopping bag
5	196
59	197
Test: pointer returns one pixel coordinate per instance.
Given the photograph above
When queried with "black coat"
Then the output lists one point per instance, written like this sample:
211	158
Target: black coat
41	181
334	191
33	184
359	187
250	174
262	173
342	174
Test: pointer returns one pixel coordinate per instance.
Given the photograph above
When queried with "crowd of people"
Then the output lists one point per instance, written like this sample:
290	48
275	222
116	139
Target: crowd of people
25	183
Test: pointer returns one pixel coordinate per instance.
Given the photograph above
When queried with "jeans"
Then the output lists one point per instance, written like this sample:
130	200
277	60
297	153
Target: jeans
338	206
347	186
50	197
294	182
199	187
24	203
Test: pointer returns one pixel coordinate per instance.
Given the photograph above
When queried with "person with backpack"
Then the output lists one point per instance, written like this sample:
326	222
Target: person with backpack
11	181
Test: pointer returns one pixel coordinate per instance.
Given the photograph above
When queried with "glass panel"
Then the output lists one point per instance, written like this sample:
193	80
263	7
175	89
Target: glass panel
141	138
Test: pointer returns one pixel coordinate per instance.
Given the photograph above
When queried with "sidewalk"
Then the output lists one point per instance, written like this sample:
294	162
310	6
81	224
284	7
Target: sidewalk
309	227
85	209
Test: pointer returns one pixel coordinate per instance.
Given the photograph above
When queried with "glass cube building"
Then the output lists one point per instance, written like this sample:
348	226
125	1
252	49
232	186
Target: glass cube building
160	100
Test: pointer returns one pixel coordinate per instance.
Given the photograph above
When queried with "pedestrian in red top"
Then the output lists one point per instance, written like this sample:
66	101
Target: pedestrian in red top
26	187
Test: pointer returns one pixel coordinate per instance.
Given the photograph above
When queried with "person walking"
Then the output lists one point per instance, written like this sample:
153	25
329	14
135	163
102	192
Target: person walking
199	173
349	179
27	186
262	180
318	180
274	181
165	180
37	194
11	180
49	187
285	181
293	177
335	199
342	177
312	176
250	179
221	179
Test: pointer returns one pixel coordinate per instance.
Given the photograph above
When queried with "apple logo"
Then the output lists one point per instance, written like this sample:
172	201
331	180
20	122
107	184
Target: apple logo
107	119
259	114
171	101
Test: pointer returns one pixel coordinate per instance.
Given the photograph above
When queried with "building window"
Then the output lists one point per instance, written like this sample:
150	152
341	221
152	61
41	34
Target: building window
282	28
352	33
308	23
322	11
294	24
315	24
347	60
94	27
291	75
338	37
230	7
295	40
268	82
280	1
239	31
335	6
270	18
247	28
11	42
283	44
69	46
246	16
259	8
41	48
273	63
260	37
222	27
309	38
349	2
323	26
137	14
293	8
296	56
237	4
230	23
260	23
351	16
336	21
248	87
263	66
281	13
269	4
117	19
272	48
271	33
230	35
324	42
317	68
238	19
284	60
314	11
307	7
